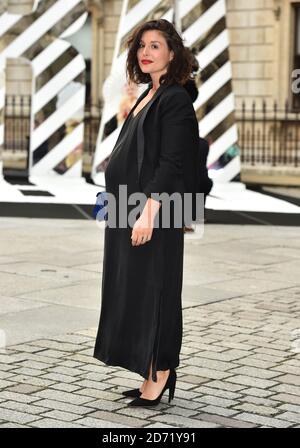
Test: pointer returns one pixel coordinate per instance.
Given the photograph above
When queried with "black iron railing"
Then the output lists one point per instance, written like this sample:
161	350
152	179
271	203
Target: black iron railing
269	135
17	124
92	117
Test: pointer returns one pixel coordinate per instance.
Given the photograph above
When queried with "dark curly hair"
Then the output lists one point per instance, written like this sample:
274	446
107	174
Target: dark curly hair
179	68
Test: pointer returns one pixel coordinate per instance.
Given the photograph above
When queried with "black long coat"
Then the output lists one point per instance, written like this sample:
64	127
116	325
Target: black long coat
141	312
167	132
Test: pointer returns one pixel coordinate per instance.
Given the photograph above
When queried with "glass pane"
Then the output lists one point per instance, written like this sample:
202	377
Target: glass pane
298	30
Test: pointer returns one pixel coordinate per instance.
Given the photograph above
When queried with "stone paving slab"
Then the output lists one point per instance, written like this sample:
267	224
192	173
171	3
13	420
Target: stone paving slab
203	405
240	357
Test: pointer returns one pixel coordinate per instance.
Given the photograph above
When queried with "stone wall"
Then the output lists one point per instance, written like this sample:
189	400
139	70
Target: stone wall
18	76
112	11
261	49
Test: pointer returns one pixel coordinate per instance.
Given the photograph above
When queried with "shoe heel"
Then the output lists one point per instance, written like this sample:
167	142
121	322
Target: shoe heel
172	385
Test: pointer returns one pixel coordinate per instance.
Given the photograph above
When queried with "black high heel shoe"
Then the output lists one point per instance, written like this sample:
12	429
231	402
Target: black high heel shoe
132	393
170	384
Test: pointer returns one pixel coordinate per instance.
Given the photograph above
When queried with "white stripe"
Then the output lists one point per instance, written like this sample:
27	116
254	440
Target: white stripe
185	6
137	14
219	113
127	23
219	146
213	49
49	55
104	148
7	21
37	29
198	29
55	49
75	26
227	173
144	7
206	21
75	170
119	62
213	84
60	151
58	118
57	82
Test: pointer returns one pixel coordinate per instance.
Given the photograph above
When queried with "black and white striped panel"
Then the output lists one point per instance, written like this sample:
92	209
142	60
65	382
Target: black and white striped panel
215	104
58	90
203	24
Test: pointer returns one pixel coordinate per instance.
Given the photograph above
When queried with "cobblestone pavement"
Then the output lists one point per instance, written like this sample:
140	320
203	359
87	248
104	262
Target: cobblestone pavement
240	357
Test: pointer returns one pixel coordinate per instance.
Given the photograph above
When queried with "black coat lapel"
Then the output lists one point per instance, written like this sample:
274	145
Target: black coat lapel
140	132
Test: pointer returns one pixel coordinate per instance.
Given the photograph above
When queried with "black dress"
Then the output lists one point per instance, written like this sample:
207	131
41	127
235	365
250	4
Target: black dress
141	309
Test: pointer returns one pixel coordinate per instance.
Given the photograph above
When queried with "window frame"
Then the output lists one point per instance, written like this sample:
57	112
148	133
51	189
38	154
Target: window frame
295	97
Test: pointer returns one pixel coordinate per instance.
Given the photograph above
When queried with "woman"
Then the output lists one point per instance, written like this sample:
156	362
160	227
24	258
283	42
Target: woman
140	325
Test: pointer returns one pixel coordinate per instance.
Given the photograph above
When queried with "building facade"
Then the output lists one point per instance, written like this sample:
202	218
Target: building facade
264	48
264	52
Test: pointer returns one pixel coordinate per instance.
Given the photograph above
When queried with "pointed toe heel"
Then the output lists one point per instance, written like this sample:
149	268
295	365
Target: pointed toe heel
170	384
132	393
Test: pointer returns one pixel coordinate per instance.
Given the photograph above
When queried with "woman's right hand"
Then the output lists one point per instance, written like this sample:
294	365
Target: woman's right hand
142	231
143	227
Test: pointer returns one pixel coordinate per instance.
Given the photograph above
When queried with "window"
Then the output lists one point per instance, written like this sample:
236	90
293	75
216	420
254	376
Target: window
296	58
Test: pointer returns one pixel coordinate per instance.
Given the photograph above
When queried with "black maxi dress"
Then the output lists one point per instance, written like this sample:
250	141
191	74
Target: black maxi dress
141	309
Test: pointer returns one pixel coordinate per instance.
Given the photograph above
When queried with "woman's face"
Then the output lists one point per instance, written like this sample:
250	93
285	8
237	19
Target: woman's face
153	53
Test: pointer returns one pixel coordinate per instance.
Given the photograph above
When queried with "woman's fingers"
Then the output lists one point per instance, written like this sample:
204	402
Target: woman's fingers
141	231
139	238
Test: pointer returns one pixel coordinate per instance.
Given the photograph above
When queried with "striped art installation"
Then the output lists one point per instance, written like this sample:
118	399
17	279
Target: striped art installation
203	28
58	82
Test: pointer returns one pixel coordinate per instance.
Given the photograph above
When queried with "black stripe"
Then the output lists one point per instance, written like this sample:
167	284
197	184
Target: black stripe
215	65
214	32
204	39
67	20
49	108
61	167
51	142
195	13
214	100
221	128
131	4
19	27
69	211
45	147
57	65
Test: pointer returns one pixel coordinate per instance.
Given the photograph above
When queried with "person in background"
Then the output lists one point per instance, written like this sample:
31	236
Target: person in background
126	104
205	182
127	101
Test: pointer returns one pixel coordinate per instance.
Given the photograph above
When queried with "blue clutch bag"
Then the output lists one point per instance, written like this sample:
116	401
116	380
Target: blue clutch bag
100	208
